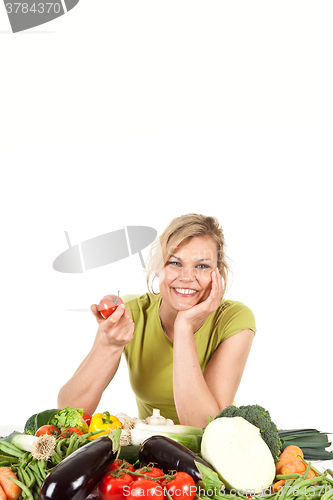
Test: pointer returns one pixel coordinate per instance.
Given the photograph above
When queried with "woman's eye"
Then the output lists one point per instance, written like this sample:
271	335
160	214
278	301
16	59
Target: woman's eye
174	263
203	266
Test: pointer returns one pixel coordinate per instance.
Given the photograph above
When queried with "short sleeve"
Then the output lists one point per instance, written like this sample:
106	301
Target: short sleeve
237	317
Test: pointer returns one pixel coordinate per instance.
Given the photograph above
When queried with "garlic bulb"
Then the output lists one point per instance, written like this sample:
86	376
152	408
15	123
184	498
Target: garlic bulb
157	419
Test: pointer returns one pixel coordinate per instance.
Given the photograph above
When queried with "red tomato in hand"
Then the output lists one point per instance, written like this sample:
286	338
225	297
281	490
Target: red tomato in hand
121	464
108	305
47	429
181	487
145	489
71	430
151	472
114	488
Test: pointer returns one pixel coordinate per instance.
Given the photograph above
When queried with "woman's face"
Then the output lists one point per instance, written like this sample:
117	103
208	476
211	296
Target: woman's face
186	277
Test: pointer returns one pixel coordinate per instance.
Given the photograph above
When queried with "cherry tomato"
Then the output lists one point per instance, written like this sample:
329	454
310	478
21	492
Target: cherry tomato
151	472
71	430
86	418
114	488
181	487
47	429
121	464
108	305
147	488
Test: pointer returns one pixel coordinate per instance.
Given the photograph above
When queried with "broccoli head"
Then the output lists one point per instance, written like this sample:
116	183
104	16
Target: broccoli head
258	416
30	427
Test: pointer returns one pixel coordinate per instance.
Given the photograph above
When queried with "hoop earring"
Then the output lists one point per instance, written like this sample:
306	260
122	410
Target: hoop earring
152	287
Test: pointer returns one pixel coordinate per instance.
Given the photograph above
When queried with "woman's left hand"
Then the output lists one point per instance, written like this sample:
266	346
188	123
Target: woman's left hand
196	315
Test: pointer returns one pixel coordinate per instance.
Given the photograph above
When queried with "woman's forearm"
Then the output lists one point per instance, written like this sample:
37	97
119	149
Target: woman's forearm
85	388
193	399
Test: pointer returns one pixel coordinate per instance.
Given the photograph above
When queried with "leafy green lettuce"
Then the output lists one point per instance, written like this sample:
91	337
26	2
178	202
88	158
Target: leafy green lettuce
69	417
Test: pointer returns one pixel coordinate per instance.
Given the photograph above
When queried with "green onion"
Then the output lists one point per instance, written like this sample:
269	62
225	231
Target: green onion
40	447
138	436
312	442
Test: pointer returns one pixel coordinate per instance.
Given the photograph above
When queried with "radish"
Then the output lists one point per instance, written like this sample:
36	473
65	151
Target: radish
239	455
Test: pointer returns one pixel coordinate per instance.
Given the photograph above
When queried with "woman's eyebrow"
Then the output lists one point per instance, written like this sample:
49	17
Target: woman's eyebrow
204	259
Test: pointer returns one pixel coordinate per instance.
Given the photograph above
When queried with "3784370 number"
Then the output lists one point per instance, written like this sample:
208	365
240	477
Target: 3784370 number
35	8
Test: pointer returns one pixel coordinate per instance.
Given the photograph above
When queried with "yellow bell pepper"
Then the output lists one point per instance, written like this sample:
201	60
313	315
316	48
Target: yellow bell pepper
103	422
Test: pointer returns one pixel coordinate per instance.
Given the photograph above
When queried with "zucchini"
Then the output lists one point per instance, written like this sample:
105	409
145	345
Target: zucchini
129	453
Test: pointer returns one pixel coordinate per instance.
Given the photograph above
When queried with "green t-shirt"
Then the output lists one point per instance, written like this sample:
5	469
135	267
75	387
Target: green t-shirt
149	355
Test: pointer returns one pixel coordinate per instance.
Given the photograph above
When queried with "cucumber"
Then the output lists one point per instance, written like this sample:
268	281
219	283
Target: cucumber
130	454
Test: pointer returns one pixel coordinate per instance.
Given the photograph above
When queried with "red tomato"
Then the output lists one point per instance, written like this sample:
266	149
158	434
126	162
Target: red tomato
108	305
120	464
47	429
86	418
114	488
147	488
181	487
151	472
68	432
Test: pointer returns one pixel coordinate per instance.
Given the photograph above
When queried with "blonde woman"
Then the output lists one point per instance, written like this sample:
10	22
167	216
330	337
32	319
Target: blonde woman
186	347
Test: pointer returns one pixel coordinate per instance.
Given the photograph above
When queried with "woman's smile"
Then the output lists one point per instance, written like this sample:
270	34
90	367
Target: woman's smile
185	292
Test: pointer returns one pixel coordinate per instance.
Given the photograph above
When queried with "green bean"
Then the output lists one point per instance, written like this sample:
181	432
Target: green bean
224	495
319	473
42	468
306	472
25	476
19	474
327	495
288	476
32	478
56	457
11	449
38	479
9	457
36	493
283	492
271	495
58	449
34	467
6	463
80	441
299	484
64	446
71	443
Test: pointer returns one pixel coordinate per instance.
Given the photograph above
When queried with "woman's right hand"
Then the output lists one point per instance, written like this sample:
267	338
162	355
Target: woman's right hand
117	329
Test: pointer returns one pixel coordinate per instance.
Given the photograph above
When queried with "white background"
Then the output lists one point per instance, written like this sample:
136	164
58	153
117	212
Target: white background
135	112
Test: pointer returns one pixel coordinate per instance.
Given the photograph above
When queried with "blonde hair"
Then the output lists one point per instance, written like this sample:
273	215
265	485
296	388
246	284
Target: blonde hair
178	233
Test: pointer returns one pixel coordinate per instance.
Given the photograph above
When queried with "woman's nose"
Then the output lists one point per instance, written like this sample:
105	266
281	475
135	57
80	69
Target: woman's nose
187	274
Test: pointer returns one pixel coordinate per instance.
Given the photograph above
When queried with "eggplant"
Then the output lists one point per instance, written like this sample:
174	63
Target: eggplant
168	455
75	477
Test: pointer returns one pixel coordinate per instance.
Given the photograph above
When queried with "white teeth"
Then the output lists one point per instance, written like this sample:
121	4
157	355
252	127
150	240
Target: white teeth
185	291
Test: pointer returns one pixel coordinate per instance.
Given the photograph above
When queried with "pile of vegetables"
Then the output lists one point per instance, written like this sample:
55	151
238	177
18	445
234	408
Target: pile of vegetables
28	460
69	455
